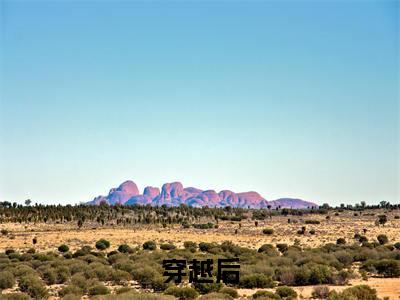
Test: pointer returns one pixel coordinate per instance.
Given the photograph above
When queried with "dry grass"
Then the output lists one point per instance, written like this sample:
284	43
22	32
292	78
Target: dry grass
345	225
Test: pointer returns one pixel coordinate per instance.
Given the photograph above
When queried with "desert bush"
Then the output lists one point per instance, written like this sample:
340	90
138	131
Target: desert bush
265	248
344	257
209	247
204	226
24	270
320	292
265	295
102	244
124	248
397	245
382	239
123	290
70	289
387	267
282	247
315	222
4	232
132	295
15	296
363	239
215	296
268	231
98	289
320	274
63	248
119	276
286	292
80	281
286	276
63	274
158	284
205	288
102	272
229	291
167	246
14	255
33	286
256	281
145	275
312	231
340	241
149	245
48	275
182	293
359	292
9	251
7	280
191	246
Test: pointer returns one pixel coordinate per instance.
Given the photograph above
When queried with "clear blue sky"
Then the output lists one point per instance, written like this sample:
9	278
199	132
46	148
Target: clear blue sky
290	99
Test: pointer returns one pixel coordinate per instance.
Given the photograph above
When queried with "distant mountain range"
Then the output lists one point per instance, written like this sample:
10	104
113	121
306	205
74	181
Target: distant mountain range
174	194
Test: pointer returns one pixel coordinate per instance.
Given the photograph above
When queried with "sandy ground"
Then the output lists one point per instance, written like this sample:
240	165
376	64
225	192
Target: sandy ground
50	236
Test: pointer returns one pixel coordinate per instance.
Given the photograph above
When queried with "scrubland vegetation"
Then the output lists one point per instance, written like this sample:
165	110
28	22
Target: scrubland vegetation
273	270
92	272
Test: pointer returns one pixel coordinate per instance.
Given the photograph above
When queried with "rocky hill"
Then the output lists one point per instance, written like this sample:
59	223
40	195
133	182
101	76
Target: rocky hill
174	194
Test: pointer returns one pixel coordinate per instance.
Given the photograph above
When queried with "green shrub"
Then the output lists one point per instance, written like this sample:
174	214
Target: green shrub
256	281
102	244
359	292
98	289
145	275
205	288
63	248
208	225
167	246
397	245
229	291
215	296
70	289
71	297
320	292
268	231
286	292
320	274
15	296
212	248
265	248
182	293
123	290
149	245
7	280
340	241
316	222
79	280
124	248
63	274
265	295
33	286
191	246
282	247
119	276
382	239
49	275
388	267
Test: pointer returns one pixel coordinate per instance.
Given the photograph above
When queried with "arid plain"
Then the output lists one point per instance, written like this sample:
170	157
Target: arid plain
246	233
